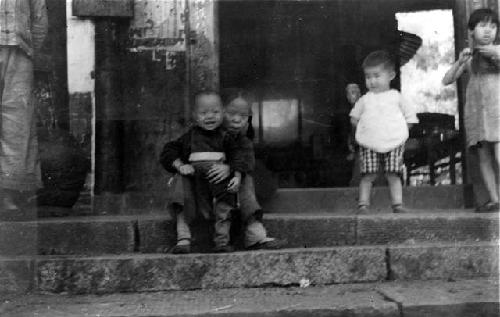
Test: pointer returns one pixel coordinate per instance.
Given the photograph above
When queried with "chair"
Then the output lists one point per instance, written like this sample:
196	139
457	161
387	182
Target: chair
431	140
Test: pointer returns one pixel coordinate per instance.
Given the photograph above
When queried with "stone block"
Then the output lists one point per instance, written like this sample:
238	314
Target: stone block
16	275
466	298
443	261
301	200
411	229
312	231
158	235
194	271
18	238
86	236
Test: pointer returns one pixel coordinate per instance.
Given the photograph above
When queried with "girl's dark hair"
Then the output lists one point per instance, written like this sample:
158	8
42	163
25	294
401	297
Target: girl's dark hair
481	15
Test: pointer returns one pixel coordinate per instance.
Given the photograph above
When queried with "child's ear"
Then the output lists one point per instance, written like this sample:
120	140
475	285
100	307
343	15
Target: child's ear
393	75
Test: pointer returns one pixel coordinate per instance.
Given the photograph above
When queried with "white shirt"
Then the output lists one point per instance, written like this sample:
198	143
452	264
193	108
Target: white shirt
383	119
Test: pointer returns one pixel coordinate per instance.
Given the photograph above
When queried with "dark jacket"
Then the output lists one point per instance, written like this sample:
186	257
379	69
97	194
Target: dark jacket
238	148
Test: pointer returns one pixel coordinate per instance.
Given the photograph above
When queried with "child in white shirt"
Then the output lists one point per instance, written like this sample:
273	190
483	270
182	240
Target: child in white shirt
382	120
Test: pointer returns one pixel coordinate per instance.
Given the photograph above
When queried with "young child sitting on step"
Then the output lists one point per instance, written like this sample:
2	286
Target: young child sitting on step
381	119
193	154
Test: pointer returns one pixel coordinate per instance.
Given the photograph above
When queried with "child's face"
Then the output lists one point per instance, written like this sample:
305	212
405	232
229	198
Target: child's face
236	114
353	93
208	112
484	33
378	78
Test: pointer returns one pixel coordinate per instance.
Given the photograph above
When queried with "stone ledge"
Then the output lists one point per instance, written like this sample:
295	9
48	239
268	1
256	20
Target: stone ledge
341	199
418	228
68	236
441	261
156	233
469	298
133	273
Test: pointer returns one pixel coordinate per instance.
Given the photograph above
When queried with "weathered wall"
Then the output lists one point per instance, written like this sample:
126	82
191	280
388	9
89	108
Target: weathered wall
147	70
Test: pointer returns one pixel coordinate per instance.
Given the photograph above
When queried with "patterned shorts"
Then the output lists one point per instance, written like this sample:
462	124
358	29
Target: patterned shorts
371	161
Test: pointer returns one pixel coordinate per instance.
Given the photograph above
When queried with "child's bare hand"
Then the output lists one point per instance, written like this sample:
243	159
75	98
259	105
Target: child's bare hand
464	56
218	172
186	169
490	51
234	184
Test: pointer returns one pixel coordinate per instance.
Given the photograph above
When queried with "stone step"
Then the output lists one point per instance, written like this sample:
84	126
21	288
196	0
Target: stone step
156	233
288	200
300	200
462	298
287	267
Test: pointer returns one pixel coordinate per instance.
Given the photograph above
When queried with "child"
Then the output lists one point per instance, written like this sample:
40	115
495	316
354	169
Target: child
194	153
382	120
482	107
236	120
353	93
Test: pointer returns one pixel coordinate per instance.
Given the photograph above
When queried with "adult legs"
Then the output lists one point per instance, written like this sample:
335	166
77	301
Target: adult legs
19	164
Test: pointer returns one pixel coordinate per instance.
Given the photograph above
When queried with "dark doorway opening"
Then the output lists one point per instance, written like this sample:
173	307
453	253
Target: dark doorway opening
296	58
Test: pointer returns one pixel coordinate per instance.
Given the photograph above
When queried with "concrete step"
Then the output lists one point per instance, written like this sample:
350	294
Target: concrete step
300	200
287	267
462	298
156	233
288	200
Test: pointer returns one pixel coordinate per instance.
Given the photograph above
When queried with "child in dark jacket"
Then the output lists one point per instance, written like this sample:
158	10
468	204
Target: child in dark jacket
194	153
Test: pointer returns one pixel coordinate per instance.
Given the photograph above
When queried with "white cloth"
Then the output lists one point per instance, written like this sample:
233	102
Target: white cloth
383	119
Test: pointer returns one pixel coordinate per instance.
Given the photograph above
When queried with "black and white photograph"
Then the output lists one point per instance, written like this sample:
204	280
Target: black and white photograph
248	158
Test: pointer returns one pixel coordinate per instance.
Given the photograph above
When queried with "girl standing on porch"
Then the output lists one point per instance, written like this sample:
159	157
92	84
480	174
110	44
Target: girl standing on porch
482	107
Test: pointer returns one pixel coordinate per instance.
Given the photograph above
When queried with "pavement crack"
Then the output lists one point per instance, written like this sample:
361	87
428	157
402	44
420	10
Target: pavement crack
392	300
137	236
389	274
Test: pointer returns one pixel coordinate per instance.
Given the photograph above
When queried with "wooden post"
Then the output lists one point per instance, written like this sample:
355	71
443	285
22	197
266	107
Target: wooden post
204	50
109	111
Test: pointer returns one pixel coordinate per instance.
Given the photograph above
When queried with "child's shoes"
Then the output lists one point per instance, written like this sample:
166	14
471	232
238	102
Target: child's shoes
488	207
223	248
268	244
399	209
362	210
182	247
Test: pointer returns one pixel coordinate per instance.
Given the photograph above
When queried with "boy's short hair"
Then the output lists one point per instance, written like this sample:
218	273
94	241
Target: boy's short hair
482	15
203	93
378	58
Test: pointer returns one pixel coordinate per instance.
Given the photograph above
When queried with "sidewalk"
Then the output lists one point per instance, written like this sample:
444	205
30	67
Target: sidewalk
467	298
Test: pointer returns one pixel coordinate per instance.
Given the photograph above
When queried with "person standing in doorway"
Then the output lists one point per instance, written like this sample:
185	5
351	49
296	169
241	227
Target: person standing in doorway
23	27
482	106
382	119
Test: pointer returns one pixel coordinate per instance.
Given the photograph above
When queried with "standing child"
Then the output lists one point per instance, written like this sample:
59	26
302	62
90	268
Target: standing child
381	119
193	154
482	108
353	93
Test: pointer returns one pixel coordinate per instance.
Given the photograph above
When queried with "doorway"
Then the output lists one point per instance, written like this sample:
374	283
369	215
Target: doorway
295	58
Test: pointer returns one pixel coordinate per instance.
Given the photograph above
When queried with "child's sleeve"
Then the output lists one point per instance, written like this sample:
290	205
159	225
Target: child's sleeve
240	153
358	108
172	151
408	110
